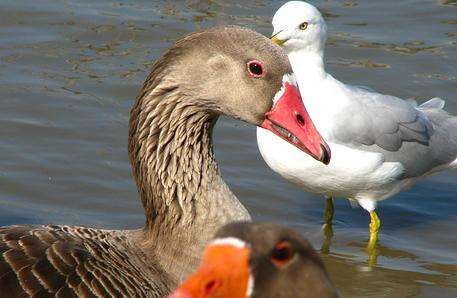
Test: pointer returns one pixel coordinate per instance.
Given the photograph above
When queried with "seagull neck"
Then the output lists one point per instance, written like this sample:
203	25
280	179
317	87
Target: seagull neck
308	65
183	194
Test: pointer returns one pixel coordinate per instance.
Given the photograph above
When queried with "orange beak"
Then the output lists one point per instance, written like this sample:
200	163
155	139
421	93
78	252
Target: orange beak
223	273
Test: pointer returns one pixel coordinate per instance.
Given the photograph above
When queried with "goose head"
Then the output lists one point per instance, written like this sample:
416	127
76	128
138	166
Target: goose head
299	26
240	73
258	260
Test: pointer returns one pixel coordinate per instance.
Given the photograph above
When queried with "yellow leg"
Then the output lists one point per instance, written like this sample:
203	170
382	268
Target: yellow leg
327	227
375	224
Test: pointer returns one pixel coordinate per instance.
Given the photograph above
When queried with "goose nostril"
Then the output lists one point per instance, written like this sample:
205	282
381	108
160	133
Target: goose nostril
300	119
210	286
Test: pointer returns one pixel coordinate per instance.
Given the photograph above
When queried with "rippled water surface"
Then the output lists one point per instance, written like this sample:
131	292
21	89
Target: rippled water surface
69	71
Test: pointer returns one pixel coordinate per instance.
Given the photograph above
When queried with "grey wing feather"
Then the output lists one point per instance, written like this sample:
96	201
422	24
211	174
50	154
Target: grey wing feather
421	138
382	120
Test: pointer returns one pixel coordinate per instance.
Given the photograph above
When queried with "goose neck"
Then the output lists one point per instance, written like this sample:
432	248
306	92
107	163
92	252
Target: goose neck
183	194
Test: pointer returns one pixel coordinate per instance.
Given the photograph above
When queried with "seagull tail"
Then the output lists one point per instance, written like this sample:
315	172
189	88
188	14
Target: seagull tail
453	132
453	138
434	109
435	103
453	164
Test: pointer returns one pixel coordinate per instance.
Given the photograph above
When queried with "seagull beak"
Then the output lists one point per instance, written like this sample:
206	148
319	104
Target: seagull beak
224	273
289	120
276	40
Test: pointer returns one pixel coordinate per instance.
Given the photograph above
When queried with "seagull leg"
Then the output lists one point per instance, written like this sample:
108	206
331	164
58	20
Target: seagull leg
328	227
375	224
329	211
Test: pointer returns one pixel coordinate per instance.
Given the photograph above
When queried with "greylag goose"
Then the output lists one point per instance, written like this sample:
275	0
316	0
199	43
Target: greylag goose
227	70
258	260
381	144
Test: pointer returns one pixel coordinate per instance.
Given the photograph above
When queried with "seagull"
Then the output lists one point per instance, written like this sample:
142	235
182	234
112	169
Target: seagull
380	144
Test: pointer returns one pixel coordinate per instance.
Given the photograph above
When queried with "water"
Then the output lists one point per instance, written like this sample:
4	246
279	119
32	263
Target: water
69	71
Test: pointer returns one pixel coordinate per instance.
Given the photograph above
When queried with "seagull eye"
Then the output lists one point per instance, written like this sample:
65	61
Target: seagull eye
282	253
256	69
303	26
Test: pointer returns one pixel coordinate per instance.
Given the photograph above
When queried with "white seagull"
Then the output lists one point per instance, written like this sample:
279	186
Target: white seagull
380	144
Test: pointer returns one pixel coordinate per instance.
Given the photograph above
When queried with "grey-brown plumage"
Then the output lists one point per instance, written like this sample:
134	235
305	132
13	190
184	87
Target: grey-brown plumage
184	197
258	260
302	273
75	262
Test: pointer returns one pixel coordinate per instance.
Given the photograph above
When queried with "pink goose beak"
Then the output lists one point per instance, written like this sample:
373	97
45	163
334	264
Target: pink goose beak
289	120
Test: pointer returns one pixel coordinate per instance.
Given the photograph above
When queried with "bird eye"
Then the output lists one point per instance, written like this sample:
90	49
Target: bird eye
282	253
256	69
303	26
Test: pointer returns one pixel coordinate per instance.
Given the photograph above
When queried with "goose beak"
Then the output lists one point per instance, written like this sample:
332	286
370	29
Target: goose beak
289	120
224	273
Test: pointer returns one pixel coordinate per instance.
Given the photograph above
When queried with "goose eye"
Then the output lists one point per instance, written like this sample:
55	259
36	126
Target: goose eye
303	26
256	69
282	253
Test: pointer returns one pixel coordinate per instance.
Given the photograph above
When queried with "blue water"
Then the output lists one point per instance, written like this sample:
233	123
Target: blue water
69	72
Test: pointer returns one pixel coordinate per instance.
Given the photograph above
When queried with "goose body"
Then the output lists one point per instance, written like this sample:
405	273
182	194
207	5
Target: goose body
184	197
70	261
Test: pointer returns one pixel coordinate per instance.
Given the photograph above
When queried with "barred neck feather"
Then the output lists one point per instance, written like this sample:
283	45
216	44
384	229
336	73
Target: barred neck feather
183	194
171	154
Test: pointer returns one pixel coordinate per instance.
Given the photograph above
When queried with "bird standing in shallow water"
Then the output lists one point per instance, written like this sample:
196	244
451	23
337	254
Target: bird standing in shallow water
225	70
380	144
258	260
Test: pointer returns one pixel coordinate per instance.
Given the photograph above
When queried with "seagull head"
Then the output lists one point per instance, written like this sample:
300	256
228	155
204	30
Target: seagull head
299	26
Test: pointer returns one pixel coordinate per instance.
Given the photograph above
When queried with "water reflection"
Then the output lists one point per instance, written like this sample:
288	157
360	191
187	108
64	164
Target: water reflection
70	70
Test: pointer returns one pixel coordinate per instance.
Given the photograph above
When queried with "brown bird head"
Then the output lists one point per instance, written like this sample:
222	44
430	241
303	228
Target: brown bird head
258	260
240	73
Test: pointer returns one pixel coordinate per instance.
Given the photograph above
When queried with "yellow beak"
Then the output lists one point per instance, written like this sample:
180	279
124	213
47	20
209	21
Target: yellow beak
278	41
